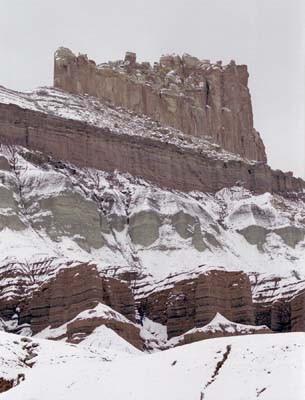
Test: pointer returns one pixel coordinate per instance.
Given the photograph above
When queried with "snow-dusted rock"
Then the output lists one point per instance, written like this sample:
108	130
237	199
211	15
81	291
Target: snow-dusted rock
219	326
150	237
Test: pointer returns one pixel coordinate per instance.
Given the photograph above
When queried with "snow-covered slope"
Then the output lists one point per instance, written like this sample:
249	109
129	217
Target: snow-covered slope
52	214
269	367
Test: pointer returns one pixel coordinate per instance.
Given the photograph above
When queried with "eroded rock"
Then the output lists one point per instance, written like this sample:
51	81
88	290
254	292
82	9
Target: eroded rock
194	96
53	305
194	302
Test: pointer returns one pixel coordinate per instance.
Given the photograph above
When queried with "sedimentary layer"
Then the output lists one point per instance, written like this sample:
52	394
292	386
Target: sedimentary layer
162	163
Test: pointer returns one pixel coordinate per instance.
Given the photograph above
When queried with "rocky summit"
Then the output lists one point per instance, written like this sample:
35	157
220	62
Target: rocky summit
195	96
138	213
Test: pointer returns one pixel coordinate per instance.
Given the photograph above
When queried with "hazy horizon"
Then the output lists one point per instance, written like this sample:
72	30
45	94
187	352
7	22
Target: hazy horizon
269	38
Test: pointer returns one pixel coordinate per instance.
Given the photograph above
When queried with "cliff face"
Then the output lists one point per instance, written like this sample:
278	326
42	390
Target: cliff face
199	98
194	302
52	305
98	136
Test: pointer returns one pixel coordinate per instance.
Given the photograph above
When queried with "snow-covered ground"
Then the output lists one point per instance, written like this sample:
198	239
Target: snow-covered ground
267	367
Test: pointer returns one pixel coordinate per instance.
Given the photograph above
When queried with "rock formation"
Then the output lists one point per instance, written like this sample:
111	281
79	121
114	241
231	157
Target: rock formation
192	95
218	327
286	314
85	323
170	257
137	199
51	305
5	385
194	302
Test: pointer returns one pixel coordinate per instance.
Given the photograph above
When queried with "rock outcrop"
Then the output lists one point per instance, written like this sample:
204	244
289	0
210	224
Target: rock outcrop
218	327
192	95
285	314
191	303
50	305
5	385
87	321
53	305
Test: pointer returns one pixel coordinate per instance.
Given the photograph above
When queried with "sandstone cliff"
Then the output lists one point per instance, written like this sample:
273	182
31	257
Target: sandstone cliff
194	302
89	133
199	98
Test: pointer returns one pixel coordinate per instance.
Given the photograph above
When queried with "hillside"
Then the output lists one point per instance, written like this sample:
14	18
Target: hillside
267	367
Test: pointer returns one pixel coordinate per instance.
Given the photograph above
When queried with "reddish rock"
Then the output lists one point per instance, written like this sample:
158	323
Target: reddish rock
193	96
194	302
297	309
164	164
71	291
286	314
85	323
5	385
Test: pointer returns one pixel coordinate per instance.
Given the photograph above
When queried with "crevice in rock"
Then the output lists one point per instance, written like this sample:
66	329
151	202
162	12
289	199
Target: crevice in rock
218	367
207	93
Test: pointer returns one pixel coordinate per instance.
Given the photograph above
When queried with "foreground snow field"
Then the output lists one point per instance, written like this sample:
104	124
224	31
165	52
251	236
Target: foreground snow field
267	367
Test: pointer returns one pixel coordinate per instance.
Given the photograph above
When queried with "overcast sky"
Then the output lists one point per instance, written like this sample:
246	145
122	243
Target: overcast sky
268	35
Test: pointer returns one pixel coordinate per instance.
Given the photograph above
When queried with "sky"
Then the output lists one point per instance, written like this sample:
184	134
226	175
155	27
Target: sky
267	35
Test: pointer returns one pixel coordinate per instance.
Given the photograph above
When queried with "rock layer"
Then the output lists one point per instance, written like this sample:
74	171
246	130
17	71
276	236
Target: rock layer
283	315
194	302
53	305
162	163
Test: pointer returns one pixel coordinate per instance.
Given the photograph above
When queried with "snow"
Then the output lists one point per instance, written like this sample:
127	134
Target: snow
154	335
155	328
105	339
268	367
101	311
53	333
